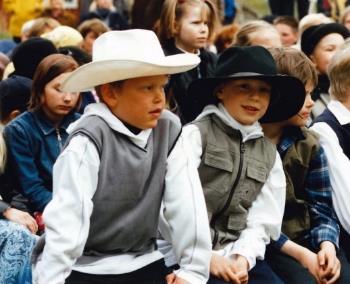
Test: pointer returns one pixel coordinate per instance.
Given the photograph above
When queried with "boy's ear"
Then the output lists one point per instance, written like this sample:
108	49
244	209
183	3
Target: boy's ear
219	92
108	94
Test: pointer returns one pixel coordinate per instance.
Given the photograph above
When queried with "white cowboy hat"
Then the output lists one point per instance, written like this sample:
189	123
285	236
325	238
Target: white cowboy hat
120	55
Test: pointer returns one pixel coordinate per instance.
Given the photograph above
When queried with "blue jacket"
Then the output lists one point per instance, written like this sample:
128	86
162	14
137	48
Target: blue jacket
33	145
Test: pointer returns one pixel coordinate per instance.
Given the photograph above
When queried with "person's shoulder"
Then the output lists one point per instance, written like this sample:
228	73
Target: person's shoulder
169	116
23	119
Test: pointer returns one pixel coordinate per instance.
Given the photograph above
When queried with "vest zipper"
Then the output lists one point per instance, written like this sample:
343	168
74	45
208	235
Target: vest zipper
59	139
229	199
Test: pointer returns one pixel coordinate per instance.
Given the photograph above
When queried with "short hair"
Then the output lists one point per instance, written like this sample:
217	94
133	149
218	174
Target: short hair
293	62
115	84
172	11
244	34
42	25
338	73
289	21
48	69
225	36
96	26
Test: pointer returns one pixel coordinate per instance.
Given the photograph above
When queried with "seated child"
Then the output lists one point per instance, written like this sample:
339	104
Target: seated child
17	228
333	128
121	161
240	170
310	232
34	139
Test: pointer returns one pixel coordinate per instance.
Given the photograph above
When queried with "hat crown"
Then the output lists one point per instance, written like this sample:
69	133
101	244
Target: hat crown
138	45
251	59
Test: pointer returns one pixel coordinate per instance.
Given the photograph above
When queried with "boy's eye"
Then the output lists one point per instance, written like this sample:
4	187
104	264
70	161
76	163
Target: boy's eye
243	87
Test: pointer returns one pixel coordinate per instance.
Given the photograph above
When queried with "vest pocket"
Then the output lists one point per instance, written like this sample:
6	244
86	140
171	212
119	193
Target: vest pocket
216	171
257	174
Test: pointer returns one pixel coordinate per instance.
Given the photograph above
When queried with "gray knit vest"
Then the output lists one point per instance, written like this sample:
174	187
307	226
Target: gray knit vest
130	186
232	175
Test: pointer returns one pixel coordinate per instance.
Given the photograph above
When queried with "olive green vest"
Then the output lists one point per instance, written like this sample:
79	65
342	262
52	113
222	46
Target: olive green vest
296	219
232	175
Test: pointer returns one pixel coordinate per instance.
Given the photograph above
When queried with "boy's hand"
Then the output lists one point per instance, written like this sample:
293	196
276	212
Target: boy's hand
22	218
241	266
172	279
223	268
309	260
328	262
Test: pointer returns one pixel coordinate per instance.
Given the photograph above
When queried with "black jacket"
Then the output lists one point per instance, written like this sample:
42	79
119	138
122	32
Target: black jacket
178	84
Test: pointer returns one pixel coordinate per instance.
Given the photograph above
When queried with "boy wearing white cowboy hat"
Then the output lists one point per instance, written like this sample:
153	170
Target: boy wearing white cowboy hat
122	160
240	170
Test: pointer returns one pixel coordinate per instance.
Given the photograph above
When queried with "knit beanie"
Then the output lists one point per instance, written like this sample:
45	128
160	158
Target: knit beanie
14	95
314	34
28	54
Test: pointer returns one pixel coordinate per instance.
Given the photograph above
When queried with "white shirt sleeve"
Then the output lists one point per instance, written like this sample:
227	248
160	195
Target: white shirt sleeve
67	216
339	171
184	219
264	218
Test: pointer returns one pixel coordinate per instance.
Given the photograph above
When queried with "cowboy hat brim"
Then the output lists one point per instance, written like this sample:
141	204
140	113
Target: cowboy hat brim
106	71
287	94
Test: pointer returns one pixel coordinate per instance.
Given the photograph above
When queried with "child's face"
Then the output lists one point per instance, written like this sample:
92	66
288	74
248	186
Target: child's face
288	36
192	29
303	116
139	101
246	100
347	21
88	42
55	103
325	50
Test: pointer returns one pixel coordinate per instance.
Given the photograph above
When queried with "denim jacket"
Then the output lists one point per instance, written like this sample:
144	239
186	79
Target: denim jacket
33	145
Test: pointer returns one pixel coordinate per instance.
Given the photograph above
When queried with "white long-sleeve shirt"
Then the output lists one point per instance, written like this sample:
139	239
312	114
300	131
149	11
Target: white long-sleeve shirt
339	163
67	216
264	218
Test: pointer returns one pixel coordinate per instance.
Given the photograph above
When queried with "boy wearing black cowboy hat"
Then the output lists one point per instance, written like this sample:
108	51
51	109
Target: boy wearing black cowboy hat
121	162
241	173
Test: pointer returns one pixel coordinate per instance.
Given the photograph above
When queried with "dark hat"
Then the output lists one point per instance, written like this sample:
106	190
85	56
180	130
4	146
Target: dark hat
79	55
313	35
14	95
28	54
252	62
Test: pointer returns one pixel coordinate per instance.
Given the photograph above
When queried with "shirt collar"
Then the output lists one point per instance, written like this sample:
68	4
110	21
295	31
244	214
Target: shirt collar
47	127
101	110
248	131
341	113
289	137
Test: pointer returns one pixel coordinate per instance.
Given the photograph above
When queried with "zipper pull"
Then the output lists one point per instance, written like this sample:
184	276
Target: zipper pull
242	148
59	139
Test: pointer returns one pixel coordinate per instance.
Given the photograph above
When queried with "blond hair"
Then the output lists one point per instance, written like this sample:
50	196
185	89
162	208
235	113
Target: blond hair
339	74
293	62
313	20
173	11
245	33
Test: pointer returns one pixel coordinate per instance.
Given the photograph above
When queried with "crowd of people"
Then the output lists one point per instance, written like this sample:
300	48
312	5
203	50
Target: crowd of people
185	148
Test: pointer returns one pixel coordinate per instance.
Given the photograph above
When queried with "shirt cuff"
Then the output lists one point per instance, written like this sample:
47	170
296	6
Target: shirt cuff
3	207
280	242
189	277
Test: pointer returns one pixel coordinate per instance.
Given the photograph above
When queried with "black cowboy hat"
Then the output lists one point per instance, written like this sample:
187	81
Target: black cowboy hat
253	62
